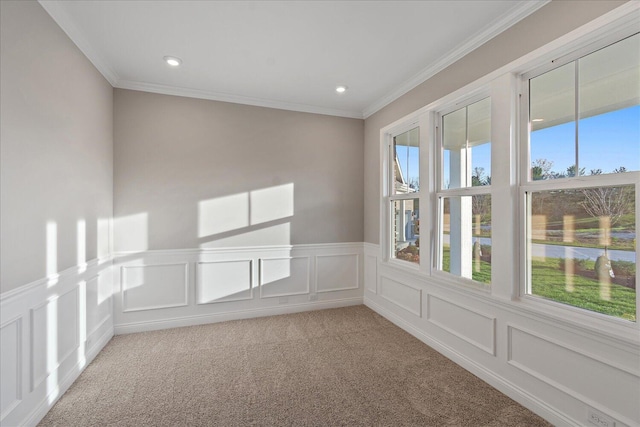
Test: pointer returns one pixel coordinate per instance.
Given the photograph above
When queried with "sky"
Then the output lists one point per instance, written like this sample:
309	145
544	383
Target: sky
606	141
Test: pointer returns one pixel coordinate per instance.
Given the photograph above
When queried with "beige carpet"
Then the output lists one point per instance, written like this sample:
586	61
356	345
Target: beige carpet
339	367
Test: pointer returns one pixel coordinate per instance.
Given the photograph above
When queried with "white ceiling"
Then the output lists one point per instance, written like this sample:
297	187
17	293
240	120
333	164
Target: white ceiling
282	54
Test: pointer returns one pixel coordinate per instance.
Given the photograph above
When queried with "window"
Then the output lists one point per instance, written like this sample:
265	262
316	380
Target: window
563	188
464	197
404	189
581	179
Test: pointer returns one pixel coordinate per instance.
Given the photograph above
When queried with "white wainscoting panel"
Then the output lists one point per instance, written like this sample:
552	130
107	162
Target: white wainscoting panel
570	370
404	296
50	330
465	323
287	278
337	272
371	273
55	331
224	281
281	277
10	365
99	307
150	287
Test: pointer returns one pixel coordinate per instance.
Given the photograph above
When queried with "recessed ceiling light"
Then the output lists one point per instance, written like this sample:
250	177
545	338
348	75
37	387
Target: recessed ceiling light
173	61
537	120
341	89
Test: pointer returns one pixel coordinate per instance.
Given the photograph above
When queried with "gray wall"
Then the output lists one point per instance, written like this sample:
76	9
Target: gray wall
548	23
56	139
194	173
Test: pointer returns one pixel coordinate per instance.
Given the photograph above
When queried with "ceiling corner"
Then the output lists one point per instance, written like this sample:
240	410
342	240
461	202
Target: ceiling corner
61	17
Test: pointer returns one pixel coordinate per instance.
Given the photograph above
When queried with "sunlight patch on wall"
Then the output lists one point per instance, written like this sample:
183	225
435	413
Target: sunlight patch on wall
130	233
102	249
52	251
279	269
223	214
81	246
52	351
82	301
105	289
271	204
275	235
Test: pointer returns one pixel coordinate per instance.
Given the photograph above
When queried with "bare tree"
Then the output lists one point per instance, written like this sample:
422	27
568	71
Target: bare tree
612	202
481	205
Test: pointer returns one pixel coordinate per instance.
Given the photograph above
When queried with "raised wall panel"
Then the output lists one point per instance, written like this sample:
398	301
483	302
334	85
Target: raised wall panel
10	366
54	335
149	287
336	272
465	323
98	308
224	281
371	273
610	388
404	296
284	276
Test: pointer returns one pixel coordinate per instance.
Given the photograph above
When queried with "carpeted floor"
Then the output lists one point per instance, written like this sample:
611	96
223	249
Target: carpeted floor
339	367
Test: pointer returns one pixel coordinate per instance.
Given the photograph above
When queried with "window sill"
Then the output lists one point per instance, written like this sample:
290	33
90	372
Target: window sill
606	326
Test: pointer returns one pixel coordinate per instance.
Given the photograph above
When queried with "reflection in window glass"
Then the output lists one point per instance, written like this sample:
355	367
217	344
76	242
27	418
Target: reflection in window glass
467	146
606	138
582	248
406	167
406	230
465	237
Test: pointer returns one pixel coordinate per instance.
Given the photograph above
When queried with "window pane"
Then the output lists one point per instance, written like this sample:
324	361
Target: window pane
552	118
406	230
609	94
406	168
467	146
608	130
479	151
465	237
582	248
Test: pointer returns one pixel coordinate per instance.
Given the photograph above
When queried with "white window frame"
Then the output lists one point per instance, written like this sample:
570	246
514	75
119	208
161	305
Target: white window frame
526	185
386	214
441	192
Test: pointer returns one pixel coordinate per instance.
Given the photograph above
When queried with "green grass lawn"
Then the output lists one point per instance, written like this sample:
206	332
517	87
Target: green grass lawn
484	275
548	281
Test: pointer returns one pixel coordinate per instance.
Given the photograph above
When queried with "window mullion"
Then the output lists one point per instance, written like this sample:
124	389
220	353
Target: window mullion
577	114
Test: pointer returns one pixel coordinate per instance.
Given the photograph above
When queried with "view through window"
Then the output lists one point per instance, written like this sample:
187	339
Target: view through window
465	199
585	122
405	188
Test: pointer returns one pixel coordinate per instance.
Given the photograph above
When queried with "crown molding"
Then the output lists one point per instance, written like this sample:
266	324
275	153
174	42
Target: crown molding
61	17
515	15
236	99
64	21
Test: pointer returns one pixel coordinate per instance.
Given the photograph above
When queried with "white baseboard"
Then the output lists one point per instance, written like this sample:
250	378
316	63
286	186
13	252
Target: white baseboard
516	393
178	322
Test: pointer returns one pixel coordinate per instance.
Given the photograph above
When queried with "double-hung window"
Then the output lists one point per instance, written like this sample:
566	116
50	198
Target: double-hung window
580	178
404	195
464	192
